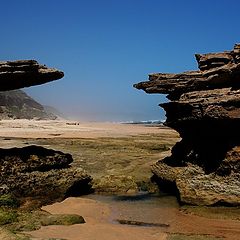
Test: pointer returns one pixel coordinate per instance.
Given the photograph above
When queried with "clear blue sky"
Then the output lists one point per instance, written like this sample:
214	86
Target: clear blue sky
104	46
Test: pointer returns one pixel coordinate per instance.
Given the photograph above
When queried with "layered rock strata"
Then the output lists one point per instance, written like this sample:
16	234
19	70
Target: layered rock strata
35	172
25	73
205	109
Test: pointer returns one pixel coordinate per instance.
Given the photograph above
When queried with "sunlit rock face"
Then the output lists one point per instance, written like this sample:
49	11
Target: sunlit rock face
16	104
205	109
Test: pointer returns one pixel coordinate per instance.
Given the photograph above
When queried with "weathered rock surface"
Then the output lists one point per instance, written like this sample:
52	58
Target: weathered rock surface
34	172
16	104
25	73
40	173
205	110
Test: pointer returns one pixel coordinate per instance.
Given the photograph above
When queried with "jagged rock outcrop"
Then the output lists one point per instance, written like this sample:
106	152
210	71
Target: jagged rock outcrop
205	109
39	173
25	73
16	104
35	172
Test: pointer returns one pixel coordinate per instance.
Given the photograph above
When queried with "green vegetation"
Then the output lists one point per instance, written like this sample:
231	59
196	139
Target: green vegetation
33	220
14	221
214	212
116	164
114	158
7	200
62	219
7	216
191	237
8	235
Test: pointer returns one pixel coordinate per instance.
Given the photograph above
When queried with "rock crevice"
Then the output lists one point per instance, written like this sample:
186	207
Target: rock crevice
205	110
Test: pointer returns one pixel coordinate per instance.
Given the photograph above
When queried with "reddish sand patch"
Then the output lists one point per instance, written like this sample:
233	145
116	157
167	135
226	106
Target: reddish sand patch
100	225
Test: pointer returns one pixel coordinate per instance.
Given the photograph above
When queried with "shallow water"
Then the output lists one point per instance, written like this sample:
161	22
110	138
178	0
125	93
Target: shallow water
143	216
151	209
163	212
142	198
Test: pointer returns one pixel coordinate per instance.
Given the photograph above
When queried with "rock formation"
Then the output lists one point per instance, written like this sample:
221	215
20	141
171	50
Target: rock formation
41	174
25	73
16	104
34	172
204	167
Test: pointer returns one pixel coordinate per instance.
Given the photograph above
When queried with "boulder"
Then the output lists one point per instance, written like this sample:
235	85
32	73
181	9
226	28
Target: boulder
35	172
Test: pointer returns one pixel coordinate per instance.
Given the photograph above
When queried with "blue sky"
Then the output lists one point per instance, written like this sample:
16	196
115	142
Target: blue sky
105	46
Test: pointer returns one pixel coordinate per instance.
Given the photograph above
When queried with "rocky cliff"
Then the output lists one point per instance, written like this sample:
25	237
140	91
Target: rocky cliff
16	104
34	172
204	168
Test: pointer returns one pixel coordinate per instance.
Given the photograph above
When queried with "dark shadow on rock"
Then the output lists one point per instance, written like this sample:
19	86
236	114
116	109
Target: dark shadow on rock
79	188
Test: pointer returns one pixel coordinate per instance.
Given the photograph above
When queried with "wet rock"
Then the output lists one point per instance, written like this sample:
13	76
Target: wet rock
205	110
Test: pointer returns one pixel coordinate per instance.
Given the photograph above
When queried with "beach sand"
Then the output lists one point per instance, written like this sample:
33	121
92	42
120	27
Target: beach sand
100	224
23	128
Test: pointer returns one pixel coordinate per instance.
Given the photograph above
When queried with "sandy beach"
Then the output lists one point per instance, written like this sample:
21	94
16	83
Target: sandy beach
23	128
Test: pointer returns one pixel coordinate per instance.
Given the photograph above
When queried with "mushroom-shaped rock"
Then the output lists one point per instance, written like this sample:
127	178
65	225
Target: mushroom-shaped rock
204	167
25	73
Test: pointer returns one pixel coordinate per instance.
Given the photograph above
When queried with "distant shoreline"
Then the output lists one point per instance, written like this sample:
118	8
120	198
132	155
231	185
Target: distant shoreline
22	128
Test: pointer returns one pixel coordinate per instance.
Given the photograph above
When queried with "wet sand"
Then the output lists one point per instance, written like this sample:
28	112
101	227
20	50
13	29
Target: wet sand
99	223
101	212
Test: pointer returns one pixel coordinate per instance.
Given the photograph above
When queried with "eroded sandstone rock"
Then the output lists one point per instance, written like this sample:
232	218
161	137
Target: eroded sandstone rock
39	173
33	172
25	73
205	110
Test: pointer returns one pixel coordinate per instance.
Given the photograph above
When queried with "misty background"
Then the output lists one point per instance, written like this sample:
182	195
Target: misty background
106	46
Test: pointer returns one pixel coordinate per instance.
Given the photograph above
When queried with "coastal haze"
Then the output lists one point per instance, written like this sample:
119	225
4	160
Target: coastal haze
104	47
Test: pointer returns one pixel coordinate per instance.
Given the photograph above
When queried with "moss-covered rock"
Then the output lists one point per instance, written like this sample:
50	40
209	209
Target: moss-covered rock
62	219
8	200
8	235
115	184
7	216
